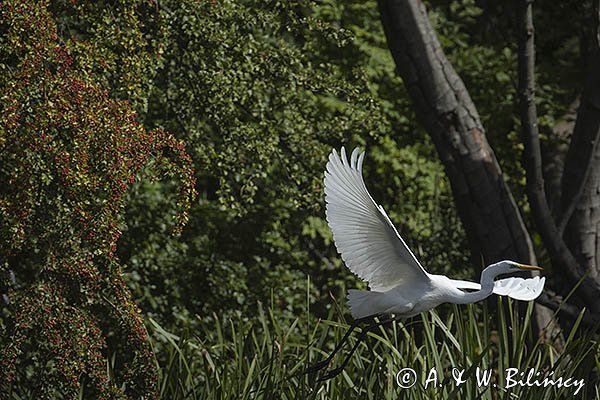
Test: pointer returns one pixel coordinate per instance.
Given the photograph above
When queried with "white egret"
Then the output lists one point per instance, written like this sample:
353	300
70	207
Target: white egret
372	249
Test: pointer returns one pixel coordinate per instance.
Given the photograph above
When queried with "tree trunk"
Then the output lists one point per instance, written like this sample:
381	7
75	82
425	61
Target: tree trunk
581	187
554	155
487	209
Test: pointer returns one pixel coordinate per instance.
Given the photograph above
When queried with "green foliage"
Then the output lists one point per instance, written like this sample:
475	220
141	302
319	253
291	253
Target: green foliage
118	44
260	102
266	359
68	155
254	99
259	111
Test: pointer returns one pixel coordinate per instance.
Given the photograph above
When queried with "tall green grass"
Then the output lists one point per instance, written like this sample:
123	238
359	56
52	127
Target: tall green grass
265	357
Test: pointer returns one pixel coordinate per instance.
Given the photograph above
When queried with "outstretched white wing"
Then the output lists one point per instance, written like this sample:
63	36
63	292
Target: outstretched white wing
362	231
516	288
519	288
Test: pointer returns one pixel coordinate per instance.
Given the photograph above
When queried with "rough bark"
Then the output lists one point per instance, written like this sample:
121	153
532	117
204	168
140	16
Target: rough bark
487	209
581	178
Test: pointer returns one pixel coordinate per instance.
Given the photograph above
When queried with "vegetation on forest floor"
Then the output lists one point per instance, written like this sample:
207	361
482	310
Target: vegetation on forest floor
265	357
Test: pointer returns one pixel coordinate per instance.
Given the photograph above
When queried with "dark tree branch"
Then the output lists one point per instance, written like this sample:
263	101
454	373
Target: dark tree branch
558	250
581	182
572	312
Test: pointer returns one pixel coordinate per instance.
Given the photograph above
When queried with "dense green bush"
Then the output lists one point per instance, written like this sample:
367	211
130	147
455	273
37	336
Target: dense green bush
68	155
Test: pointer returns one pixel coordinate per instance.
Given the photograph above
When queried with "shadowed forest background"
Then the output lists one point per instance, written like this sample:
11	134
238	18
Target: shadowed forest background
161	192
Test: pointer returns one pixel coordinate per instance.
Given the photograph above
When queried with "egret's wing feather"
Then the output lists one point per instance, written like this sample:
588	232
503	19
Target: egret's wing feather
519	288
363	233
516	288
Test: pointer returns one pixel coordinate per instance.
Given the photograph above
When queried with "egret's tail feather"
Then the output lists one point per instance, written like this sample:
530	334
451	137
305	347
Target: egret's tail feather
363	303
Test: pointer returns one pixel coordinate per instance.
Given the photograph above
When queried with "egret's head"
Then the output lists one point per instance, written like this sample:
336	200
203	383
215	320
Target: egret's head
506	266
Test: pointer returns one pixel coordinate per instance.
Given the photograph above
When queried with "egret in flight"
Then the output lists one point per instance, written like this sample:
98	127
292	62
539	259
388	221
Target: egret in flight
372	249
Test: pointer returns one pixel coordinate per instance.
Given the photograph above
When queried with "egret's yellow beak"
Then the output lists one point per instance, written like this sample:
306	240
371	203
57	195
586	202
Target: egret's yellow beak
529	267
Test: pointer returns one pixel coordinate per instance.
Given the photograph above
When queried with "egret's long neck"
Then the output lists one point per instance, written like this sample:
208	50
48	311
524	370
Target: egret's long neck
487	287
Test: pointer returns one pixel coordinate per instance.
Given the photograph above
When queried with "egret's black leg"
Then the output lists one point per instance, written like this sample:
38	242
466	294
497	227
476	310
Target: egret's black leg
323	363
333	373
